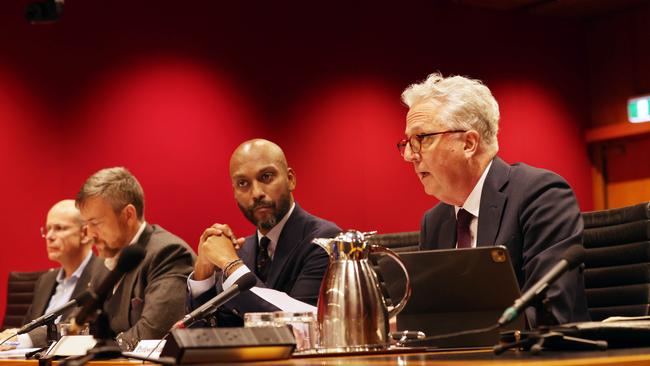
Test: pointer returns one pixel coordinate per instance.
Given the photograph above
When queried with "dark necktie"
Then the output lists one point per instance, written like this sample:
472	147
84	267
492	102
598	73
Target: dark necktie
463	219
263	261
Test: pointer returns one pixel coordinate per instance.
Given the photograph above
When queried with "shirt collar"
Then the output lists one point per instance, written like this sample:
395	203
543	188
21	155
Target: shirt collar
137	235
77	273
110	263
473	202
274	233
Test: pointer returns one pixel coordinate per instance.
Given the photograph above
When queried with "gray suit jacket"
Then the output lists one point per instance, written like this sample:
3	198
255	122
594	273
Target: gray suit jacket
43	291
151	298
534	213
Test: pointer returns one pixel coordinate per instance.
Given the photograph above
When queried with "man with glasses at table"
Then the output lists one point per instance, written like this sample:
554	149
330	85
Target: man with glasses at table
66	243
451	140
149	299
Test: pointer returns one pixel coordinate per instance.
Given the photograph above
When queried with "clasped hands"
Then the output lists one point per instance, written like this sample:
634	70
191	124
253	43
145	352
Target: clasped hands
217	247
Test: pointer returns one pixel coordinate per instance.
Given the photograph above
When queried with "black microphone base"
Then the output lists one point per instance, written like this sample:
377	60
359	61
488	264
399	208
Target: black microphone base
100	328
106	347
536	341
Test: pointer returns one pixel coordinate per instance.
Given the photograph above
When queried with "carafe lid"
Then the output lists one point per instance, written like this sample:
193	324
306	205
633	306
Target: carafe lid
350	244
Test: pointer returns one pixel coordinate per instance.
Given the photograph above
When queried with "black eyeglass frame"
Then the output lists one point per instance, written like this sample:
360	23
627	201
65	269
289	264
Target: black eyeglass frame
416	145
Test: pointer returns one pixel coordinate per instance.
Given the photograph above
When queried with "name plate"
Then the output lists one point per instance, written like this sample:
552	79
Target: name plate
71	345
149	348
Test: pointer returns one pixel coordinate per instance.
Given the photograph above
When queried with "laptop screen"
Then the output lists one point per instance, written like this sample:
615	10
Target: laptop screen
453	290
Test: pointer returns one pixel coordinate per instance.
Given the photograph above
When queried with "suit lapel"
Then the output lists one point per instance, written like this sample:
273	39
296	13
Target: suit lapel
448	229
84	280
42	298
493	200
248	250
290	237
120	318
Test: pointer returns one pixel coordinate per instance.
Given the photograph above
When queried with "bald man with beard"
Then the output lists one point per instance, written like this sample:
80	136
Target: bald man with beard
280	253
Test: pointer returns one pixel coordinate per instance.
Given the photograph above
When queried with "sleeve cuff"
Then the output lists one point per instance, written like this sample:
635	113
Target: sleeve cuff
196	288
235	276
24	341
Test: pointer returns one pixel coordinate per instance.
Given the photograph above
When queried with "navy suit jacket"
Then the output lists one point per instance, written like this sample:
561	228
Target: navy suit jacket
534	213
297	268
43	291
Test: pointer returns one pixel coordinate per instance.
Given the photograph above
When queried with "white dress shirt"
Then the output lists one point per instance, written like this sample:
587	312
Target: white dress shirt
62	294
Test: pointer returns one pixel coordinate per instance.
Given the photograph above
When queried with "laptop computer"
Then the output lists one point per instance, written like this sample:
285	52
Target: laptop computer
453	290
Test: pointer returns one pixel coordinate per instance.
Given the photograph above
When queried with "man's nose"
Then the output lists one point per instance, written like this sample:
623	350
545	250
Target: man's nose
409	155
258	191
49	236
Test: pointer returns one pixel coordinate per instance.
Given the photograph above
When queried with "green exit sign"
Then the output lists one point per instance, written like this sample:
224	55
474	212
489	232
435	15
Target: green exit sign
638	109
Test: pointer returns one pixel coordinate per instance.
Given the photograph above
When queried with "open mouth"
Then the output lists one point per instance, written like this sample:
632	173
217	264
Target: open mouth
423	175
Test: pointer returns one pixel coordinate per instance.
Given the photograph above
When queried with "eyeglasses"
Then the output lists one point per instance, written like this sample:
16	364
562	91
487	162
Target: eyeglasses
415	141
56	229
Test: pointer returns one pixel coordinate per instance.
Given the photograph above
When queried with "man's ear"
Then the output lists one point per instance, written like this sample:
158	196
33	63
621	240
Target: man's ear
291	177
85	238
130	212
472	141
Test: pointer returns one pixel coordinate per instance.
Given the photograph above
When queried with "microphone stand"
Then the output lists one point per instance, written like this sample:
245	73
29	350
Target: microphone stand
536	340
52	336
106	347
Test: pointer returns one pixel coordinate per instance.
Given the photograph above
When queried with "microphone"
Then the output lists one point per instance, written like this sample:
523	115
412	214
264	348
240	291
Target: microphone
571	258
129	258
81	299
244	283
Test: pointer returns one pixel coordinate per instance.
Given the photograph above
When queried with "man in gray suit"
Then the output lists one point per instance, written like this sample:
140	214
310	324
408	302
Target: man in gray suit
451	140
66	243
148	300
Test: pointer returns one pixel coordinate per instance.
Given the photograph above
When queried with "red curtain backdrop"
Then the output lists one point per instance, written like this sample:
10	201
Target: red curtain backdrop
168	89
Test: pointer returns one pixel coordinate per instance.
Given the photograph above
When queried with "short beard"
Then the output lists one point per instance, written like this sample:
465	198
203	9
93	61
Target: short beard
280	208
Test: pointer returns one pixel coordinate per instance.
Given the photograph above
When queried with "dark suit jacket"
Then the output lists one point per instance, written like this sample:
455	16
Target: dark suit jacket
532	212
43	291
297	268
151	298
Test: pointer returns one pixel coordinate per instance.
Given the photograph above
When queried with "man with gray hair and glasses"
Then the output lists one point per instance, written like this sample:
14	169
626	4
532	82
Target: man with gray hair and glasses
149	299
451	140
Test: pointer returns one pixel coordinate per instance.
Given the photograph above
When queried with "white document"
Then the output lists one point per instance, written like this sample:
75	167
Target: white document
282	300
16	353
613	319
73	345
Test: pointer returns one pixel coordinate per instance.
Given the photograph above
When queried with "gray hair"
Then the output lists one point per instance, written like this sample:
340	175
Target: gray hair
117	186
464	104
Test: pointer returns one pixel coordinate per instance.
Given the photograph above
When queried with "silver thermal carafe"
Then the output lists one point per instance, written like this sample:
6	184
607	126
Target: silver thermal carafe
352	312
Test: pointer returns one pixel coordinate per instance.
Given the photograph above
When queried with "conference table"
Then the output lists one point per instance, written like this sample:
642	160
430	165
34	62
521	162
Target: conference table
482	357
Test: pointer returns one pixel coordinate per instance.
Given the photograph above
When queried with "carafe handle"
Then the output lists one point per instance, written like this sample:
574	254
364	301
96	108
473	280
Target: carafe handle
407	291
